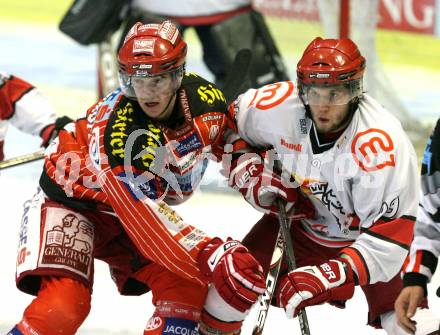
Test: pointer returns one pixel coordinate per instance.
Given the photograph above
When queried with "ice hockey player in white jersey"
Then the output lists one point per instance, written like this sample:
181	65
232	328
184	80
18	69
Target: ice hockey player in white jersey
351	160
425	248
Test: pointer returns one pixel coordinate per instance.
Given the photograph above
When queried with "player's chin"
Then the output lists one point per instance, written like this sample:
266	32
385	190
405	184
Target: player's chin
152	111
323	128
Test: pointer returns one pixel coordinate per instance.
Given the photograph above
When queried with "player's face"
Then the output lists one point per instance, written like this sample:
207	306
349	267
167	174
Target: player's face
155	95
329	107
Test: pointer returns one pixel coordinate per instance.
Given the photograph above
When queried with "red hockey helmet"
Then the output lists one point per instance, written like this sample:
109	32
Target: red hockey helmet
151	50
331	62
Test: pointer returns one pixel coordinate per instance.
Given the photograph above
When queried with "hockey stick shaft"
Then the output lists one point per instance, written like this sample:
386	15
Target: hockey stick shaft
283	245
107	68
271	279
22	159
237	74
290	258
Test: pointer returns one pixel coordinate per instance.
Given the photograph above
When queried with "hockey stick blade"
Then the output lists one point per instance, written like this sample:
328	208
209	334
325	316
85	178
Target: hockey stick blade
237	74
22	159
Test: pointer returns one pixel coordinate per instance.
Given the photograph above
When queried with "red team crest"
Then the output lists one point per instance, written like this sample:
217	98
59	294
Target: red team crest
373	150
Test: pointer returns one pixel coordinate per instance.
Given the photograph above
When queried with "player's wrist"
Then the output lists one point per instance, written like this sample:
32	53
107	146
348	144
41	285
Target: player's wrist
416	279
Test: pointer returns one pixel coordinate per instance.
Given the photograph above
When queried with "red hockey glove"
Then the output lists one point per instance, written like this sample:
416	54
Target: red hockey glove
51	130
2	155
314	285
235	273
260	185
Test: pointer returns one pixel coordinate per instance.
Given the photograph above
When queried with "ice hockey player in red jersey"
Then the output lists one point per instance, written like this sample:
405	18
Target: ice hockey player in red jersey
107	184
351	160
23	106
425	250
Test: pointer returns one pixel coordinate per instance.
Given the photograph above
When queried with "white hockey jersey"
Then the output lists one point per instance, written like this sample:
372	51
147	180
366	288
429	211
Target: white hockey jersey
364	185
425	248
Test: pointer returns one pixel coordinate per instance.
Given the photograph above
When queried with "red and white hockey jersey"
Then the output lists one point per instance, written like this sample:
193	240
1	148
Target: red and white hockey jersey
117	159
23	106
364	185
425	248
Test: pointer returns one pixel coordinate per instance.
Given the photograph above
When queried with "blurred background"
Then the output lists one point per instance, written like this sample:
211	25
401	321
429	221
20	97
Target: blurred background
405	44
399	38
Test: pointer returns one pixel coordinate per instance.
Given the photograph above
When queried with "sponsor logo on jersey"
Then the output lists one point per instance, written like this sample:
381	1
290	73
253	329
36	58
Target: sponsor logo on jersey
23	234
154	323
153	147
187	162
291	146
390	209
151	137
303	126
191	240
94	153
329	199
119	129
140	186
211	118
373	150
210	94
108	105
189	180
179	326
171	216
213	131
68	241
190	143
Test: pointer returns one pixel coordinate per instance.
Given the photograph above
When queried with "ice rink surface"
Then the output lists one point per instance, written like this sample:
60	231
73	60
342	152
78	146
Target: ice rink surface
66	71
